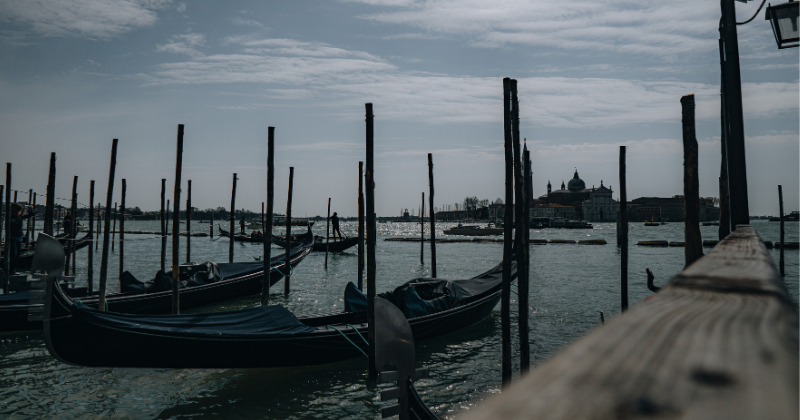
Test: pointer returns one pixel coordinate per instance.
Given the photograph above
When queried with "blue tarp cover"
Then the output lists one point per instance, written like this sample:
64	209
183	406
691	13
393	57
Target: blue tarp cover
257	322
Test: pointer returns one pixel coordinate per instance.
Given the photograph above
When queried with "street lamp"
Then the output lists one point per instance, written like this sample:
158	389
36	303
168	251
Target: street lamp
783	18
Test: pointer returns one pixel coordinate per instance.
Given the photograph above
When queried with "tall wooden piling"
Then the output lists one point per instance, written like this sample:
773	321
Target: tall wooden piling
123	193
691	184
211	226
263	221
270	208
7	265
371	239
361	226
69	265
163	217
2	214
623	221
432	215
50	199
89	250
99	228
737	173
724	191
505	299
287	277
327	232
422	230
30	225
233	219
114	227
520	216
780	208
524	274
176	225
101	304
33	219
169	214
188	221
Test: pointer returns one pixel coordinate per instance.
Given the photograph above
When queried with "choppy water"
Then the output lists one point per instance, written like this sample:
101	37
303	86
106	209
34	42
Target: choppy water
570	284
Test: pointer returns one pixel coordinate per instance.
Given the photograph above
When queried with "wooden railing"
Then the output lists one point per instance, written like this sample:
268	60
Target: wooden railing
719	341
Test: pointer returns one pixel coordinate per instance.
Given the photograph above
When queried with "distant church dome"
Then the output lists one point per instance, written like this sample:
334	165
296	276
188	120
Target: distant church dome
576	184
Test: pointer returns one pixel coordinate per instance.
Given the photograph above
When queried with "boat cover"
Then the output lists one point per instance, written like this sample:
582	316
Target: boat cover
16	298
424	295
257	322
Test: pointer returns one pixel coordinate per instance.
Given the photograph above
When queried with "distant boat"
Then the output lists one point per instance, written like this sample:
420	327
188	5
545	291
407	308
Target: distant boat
474	230
651	222
791	217
541	222
710	223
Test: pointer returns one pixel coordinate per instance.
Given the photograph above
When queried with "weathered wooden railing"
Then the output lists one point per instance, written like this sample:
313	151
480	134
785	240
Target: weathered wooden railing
719	341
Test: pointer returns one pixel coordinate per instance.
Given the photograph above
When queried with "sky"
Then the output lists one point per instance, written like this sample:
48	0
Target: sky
593	75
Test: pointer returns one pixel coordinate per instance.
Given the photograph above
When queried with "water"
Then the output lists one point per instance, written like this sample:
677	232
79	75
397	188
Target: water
570	284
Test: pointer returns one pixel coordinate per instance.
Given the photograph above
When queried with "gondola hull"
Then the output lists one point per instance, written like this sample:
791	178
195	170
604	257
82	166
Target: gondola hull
14	314
26	256
319	244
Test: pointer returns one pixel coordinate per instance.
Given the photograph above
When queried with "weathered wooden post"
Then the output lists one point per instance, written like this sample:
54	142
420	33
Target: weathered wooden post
89	251
72	209
361	226
623	217
737	168
524	274
691	184
101	303
47	229
114	227
520	216
167	218
123	192
176	226
33	218
2	213
371	239
188	221
15	195
724	192
270	201
233	219
422	230
288	268
211	226
99	219
432	215
327	232
262	217
780	207
7	265
29	226
163	217
505	299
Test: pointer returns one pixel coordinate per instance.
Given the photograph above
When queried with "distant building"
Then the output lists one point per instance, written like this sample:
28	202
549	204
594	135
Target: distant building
666	210
553	211
592	204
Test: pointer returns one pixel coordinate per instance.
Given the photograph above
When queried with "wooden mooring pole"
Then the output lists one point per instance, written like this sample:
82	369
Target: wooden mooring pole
371	239
288	260
623	221
361	226
508	230
432	215
176	226
30	225
89	250
69	265
524	273
50	199
327	232
163	216
233	219
114	227
188	221
7	265
780	208
270	207
99	227
691	184
724	192
101	303
123	193
422	230
520	216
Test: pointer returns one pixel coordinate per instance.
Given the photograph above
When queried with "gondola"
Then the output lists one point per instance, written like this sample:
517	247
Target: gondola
262	336
319	242
241	238
26	256
236	280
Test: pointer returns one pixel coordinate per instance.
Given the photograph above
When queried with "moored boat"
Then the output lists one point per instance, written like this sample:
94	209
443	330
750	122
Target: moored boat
474	230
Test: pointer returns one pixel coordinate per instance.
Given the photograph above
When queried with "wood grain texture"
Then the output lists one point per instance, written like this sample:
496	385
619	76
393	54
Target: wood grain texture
696	350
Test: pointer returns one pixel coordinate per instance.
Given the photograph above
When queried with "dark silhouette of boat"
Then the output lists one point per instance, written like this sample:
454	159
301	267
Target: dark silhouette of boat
319	242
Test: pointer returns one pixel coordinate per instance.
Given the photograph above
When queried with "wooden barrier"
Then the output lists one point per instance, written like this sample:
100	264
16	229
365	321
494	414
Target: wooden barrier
719	341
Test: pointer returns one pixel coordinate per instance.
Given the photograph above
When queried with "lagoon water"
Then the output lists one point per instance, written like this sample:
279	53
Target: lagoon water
570	284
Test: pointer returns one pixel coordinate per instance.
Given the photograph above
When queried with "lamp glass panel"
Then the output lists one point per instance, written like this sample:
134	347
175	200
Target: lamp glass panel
787	22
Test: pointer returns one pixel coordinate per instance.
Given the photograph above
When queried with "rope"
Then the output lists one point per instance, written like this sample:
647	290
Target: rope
348	340
359	334
291	270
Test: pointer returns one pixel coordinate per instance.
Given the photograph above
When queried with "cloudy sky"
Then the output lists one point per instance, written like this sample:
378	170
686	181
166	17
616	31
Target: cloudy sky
593	75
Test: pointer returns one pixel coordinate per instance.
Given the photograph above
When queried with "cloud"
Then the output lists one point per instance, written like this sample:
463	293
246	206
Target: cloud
183	44
82	18
245	22
664	29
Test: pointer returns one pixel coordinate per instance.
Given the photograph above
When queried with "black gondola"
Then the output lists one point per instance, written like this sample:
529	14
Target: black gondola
236	280
242	238
319	242
26	256
263	336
